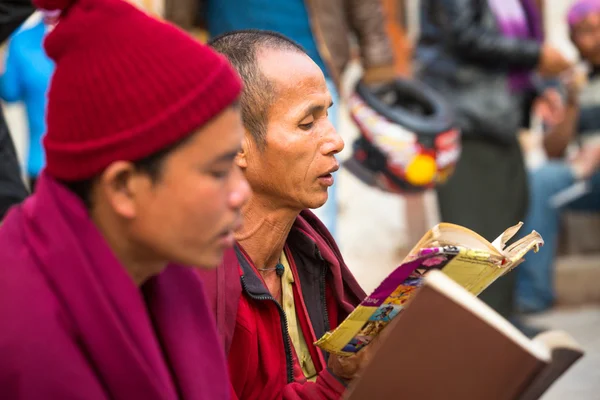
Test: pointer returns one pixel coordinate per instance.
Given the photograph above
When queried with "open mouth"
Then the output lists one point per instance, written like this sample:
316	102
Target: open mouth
326	179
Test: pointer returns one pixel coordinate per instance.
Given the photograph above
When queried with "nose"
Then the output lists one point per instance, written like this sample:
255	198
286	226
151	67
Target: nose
333	143
240	191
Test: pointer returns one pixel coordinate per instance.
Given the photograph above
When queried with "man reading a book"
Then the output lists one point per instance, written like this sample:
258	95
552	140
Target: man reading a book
285	284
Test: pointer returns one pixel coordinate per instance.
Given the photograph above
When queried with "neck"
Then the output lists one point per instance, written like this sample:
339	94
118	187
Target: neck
265	232
139	264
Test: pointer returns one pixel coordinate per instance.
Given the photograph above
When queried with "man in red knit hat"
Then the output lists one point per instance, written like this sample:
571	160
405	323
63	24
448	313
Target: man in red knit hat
142	130
286	283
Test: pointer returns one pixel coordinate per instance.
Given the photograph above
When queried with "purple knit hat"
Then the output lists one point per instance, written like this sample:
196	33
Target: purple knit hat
581	9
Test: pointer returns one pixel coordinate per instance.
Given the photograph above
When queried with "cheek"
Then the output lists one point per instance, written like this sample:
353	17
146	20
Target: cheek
286	163
269	170
201	207
299	157
186	214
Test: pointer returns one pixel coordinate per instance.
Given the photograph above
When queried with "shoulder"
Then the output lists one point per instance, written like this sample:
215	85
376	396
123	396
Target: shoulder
38	347
27	303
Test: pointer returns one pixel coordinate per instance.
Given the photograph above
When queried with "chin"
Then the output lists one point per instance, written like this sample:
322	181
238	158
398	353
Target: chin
317	201
209	259
213	262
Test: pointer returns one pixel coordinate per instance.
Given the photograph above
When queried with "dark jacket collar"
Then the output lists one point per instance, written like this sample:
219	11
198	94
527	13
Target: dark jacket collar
223	285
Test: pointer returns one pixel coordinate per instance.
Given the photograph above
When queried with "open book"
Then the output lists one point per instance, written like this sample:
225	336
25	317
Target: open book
460	253
450	345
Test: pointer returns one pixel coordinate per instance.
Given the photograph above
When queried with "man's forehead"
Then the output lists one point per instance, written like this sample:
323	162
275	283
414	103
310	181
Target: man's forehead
297	82
286	66
278	52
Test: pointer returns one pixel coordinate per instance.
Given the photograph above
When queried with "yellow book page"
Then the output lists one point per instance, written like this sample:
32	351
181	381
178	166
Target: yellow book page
475	270
345	332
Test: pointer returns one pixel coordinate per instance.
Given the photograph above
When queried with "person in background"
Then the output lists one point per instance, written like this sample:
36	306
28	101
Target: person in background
26	78
143	126
481	55
324	28
286	283
12	188
580	120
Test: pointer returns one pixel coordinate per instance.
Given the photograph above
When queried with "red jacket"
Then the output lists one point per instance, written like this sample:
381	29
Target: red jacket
253	326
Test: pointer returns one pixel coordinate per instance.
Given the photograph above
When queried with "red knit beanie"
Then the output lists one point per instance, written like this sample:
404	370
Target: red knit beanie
126	85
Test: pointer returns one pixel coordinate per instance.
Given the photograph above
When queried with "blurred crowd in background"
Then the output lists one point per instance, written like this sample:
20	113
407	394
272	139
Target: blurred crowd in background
529	115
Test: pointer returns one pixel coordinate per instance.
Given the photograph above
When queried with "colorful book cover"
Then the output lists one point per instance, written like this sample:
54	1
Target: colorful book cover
473	269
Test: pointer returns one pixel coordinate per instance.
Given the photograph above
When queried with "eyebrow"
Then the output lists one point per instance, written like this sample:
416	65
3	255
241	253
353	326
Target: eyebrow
230	155
316	108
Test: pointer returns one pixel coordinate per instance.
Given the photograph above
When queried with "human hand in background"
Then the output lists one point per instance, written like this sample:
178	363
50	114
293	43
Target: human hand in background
550	107
574	80
552	62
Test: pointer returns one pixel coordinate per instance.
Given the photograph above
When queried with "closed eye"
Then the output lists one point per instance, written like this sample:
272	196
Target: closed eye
219	174
307	126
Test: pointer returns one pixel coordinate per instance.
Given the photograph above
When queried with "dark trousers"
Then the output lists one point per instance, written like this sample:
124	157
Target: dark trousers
487	194
12	188
32	183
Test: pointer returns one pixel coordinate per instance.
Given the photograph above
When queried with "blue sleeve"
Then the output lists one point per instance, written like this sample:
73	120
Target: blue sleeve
10	80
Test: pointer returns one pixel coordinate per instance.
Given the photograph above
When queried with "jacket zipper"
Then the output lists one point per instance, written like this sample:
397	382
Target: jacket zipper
284	330
323	283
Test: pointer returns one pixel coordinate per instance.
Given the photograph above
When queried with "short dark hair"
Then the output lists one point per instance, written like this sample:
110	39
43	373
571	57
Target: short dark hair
241	49
151	165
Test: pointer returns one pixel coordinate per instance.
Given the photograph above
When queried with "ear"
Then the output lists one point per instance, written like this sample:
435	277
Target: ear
119	184
241	159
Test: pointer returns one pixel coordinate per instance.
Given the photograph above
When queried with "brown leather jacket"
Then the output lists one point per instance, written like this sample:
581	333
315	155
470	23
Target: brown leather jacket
332	21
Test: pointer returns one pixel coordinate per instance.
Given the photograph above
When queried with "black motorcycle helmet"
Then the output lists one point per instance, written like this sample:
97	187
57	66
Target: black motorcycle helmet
408	142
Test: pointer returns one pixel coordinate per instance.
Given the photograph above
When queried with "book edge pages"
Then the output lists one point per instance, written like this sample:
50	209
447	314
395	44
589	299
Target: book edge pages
454	292
516	252
557	339
500	242
437	231
565	352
